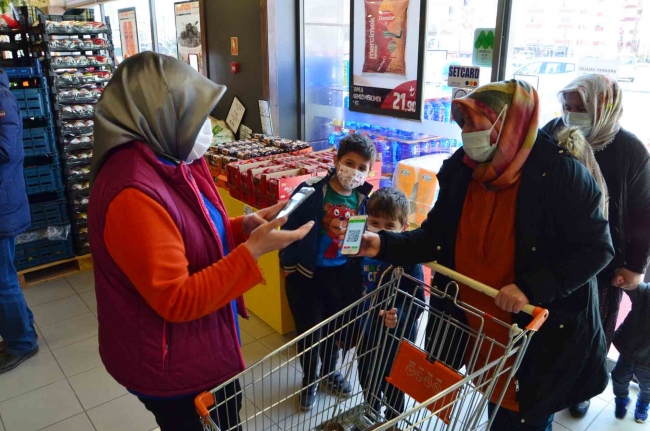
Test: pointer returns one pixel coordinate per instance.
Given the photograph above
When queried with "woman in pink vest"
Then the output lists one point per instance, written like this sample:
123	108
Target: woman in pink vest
168	260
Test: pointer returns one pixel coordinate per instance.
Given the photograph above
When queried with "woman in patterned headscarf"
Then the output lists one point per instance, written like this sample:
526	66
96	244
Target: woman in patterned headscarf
594	103
516	212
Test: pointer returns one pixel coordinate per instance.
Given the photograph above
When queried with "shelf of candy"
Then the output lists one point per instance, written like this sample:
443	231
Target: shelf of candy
78	44
78	187
264	181
71	143
77	112
74	27
77	127
74	77
77	157
79	61
89	93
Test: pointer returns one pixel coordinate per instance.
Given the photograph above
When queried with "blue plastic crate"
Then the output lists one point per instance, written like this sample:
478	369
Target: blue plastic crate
39	141
49	213
43	251
33	102
41	179
23	72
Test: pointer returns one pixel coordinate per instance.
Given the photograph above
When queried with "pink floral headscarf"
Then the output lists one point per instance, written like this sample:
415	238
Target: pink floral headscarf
603	100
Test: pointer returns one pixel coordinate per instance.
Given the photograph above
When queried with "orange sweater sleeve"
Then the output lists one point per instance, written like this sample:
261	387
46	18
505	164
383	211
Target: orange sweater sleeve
145	243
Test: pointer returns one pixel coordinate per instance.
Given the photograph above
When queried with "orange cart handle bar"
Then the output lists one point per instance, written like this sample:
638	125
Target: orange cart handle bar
539	314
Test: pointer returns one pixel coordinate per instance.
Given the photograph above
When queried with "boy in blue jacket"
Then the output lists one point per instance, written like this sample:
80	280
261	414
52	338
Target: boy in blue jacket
320	281
632	340
388	209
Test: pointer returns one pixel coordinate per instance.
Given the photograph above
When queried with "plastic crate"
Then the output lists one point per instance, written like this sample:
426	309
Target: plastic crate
24	72
33	102
41	179
39	141
43	251
49	213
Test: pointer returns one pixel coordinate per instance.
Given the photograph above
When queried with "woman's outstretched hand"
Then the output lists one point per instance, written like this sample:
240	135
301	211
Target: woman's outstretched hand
267	238
257	219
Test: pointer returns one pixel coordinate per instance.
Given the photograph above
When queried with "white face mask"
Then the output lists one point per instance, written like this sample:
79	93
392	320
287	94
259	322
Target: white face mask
477	144
373	229
582	120
350	178
203	142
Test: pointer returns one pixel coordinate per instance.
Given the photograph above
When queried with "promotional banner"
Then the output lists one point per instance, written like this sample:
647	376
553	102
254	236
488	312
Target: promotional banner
188	33
387	60
128	32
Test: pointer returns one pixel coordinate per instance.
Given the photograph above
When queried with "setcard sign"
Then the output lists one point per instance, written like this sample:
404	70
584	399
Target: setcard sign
387	57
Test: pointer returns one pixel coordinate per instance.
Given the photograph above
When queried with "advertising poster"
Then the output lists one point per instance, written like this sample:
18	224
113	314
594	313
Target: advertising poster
128	32
387	60
188	33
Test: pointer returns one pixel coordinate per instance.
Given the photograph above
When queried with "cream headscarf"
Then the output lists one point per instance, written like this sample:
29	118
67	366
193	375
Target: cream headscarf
155	99
603	100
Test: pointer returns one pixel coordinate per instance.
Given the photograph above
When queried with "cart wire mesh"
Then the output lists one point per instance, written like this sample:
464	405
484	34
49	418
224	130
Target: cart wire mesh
444	374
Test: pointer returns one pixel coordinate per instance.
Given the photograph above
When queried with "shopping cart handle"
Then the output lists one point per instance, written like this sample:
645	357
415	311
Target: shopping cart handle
539	314
203	403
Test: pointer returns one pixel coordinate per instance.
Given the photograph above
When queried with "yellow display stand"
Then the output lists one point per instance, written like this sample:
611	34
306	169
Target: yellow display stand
268	300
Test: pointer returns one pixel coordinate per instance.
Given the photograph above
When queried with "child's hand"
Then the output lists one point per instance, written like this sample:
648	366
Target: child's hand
390	317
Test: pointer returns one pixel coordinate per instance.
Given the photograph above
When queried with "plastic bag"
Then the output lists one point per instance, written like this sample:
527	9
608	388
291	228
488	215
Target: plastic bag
51	233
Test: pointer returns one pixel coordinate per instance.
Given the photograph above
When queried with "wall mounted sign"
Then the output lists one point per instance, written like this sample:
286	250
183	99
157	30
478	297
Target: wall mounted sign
387	60
464	76
188	32
234	46
483	49
128	32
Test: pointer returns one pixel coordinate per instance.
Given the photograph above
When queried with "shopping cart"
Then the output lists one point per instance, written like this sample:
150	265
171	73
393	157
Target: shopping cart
431	372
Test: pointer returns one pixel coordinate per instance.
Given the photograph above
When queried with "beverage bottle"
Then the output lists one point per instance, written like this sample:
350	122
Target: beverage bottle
425	147
335	137
407	151
446	102
388	158
428	109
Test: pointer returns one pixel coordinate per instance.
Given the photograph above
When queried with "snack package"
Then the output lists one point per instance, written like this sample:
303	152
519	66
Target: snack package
386	22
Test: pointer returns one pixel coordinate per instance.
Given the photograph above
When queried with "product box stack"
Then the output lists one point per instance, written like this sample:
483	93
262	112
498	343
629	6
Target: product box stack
264	181
77	55
48	238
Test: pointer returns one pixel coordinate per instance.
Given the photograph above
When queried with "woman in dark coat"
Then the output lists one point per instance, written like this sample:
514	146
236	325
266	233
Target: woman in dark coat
515	211
594	103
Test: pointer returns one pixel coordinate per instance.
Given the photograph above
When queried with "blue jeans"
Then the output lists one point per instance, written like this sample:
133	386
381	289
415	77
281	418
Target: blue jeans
622	376
507	420
16	319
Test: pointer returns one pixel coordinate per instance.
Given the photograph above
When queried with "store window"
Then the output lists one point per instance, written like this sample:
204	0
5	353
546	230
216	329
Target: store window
607	34
449	41
166	27
143	18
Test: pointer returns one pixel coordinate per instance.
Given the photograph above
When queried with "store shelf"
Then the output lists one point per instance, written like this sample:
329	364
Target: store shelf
448	130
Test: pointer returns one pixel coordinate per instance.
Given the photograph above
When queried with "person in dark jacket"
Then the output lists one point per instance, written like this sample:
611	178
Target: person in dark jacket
320	281
388	209
16	320
594	103
632	339
517	212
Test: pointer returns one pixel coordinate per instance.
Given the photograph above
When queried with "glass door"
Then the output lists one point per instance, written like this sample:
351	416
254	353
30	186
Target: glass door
549	40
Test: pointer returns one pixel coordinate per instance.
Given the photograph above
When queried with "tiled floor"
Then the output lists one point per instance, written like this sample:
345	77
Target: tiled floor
66	388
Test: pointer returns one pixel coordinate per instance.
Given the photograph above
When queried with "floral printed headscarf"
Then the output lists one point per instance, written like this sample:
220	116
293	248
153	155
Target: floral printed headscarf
518	132
603	100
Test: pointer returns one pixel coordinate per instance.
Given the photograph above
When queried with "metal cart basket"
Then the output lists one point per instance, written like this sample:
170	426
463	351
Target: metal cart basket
429	372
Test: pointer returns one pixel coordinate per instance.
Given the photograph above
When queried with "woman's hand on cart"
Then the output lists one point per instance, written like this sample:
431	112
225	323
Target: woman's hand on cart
267	238
254	220
390	317
511	299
